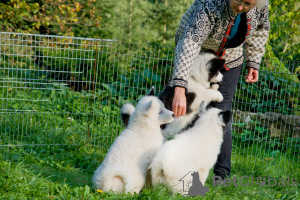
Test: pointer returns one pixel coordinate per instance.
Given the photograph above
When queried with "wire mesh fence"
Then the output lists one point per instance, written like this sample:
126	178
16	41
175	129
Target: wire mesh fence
66	90
61	90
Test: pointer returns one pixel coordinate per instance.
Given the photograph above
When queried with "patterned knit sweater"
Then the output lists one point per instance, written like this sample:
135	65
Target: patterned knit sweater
203	27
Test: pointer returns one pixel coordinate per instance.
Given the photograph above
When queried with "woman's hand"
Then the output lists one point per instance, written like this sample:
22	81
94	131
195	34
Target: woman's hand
252	76
179	102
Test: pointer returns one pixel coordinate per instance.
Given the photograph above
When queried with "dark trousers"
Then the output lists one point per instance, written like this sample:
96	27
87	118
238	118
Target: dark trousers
227	88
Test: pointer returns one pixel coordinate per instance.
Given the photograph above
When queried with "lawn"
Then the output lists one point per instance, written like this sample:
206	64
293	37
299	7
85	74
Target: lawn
64	172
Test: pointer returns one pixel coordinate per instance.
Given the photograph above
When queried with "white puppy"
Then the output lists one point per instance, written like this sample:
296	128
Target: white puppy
196	149
126	163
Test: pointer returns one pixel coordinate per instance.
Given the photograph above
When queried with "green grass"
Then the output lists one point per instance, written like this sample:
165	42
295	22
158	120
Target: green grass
64	172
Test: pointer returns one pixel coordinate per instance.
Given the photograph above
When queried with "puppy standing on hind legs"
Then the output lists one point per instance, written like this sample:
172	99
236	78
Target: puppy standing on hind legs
205	71
195	149
126	163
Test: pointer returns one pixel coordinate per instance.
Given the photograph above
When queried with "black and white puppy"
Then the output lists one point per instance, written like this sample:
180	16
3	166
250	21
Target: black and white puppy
205	71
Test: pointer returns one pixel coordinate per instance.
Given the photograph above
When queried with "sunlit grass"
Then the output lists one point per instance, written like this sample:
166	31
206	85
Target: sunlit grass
64	172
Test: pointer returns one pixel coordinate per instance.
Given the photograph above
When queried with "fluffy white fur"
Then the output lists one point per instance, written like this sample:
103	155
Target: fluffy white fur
194	150
127	109
125	165
126	112
199	84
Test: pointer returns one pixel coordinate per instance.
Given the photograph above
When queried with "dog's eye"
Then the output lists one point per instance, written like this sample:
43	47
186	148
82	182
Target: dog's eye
160	112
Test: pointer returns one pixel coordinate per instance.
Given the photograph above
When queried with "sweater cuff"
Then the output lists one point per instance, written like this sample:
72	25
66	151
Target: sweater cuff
253	65
180	83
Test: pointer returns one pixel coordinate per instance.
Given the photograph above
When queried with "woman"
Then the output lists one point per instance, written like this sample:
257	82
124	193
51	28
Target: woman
228	28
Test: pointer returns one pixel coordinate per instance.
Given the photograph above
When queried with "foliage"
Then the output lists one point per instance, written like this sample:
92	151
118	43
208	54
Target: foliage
285	26
163	14
134	21
48	16
255	132
128	21
272	93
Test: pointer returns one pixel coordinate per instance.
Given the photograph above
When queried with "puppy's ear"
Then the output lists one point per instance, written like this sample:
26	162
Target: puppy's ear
152	92
226	116
148	108
216	64
202	107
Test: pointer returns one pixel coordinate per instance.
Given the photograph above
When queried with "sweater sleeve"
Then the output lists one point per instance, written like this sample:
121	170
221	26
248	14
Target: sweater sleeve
195	26
256	44
184	19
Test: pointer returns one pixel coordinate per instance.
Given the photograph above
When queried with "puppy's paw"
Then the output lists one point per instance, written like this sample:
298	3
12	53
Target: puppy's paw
214	86
219	97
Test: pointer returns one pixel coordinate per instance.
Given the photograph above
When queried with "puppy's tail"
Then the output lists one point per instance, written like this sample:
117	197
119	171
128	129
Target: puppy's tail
126	112
116	178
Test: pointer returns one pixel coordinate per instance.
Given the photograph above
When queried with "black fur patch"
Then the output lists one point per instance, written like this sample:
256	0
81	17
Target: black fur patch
211	51
226	117
211	104
125	119
191	124
167	95
163	126
216	65
190	97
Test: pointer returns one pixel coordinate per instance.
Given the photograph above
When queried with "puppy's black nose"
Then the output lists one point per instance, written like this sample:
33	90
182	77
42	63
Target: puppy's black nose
163	126
173	115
